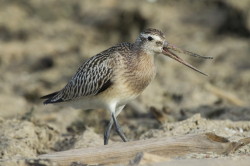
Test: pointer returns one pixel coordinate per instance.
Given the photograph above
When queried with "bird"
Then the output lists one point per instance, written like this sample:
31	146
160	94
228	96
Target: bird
111	79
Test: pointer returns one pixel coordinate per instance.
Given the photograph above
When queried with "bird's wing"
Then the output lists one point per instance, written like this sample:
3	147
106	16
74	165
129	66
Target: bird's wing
92	77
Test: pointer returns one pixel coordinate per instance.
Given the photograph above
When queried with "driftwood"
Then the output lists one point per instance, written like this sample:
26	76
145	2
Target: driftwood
241	161
147	160
164	147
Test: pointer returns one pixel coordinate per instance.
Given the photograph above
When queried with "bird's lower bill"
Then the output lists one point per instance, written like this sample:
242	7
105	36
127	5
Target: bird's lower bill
172	55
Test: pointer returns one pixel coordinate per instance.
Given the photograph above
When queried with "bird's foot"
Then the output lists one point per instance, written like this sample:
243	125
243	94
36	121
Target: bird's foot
121	134
106	137
107	132
119	129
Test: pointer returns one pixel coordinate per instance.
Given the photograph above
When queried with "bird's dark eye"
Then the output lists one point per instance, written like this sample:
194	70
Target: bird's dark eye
150	38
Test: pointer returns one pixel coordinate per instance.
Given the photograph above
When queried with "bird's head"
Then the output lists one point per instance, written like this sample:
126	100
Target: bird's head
153	42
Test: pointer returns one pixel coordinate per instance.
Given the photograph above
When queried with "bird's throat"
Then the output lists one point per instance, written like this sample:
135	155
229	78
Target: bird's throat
142	72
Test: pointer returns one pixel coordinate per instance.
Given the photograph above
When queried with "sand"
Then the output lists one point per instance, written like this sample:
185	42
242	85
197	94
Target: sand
43	42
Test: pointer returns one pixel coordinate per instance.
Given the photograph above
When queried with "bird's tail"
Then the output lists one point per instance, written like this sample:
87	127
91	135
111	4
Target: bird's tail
51	98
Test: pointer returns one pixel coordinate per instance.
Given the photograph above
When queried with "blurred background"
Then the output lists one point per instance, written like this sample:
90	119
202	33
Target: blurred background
42	43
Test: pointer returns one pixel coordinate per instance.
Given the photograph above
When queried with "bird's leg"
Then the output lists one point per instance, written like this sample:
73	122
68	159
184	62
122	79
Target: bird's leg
119	129
111	122
107	132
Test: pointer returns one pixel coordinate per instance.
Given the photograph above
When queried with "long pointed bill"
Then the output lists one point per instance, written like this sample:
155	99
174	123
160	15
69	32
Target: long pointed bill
170	54
172	47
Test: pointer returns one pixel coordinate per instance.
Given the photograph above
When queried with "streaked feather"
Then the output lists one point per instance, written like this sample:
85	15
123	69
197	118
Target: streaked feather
92	77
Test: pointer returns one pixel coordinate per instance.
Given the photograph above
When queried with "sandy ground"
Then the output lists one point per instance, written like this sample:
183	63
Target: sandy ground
43	42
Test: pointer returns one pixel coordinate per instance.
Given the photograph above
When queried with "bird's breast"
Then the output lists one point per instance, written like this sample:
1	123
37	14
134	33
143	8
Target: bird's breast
139	73
131	77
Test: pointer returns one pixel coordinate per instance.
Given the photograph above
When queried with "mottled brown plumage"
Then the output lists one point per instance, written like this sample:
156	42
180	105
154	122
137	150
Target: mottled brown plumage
112	78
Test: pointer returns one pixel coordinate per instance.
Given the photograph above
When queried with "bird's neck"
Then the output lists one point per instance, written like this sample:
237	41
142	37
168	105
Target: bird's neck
141	49
141	69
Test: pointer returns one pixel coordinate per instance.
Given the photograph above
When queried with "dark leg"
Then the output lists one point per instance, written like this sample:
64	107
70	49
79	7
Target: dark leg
107	132
111	122
118	129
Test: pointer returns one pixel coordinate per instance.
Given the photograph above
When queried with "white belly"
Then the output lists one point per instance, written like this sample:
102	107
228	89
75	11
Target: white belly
118	96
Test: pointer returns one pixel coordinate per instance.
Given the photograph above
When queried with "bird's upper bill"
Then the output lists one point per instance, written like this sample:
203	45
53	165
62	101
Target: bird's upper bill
166	51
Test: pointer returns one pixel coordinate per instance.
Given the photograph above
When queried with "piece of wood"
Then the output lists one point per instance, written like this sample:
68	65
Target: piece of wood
165	147
235	161
147	158
238	161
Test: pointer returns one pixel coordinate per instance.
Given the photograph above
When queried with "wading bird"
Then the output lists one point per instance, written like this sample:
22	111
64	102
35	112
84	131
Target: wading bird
112	78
